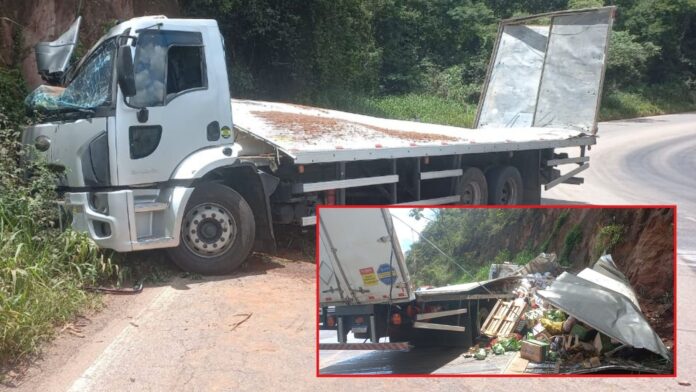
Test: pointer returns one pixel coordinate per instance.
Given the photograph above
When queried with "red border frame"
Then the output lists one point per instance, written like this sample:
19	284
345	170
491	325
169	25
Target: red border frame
673	207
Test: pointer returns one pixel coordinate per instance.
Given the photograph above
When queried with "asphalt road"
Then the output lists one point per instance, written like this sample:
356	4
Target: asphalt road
641	161
255	330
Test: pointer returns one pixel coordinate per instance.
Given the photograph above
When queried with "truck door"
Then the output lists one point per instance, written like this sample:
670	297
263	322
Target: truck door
177	106
362	255
547	71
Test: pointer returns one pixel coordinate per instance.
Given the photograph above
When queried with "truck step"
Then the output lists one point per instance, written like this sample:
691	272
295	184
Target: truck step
565	161
145	243
150	206
445	313
431	175
575	181
439	327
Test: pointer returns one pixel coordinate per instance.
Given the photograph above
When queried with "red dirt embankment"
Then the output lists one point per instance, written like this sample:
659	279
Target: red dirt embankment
32	21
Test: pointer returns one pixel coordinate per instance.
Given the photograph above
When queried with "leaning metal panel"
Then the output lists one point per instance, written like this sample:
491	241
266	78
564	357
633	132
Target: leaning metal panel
548	75
516	70
571	83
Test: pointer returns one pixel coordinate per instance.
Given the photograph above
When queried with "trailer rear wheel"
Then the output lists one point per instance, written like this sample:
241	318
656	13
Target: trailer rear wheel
473	187
217	231
504	185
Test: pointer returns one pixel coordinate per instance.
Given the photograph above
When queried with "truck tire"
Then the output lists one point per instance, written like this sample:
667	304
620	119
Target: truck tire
504	185
473	187
217	231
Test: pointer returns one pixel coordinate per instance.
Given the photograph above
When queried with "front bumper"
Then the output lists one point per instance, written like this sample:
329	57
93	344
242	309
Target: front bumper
129	220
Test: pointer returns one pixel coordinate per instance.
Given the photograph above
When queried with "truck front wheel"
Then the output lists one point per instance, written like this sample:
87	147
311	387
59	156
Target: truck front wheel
504	185
217	231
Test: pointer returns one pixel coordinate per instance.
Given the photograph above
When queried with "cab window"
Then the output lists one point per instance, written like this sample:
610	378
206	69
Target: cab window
167	64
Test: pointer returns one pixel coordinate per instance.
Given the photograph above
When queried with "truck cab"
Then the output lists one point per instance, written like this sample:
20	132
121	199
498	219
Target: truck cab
133	126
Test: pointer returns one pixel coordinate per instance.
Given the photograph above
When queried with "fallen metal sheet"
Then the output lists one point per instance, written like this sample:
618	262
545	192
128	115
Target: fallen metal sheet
605	310
605	274
465	288
606	266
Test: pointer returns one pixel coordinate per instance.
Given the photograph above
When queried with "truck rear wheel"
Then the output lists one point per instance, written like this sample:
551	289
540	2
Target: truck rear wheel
217	231
504	185
473	187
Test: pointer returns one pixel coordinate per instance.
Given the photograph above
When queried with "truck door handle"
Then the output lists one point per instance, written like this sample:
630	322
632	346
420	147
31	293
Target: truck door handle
213	131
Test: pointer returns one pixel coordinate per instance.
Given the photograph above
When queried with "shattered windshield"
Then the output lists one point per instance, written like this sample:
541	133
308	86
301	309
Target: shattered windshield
90	88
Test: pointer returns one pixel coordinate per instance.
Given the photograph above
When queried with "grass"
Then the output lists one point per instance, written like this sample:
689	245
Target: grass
607	238
647	101
411	107
42	272
639	101
525	256
571	240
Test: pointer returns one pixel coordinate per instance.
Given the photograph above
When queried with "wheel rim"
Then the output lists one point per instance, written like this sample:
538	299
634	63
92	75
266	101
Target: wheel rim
471	194
508	194
209	229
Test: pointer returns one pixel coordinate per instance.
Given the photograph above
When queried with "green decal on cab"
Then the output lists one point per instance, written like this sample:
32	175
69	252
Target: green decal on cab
226	132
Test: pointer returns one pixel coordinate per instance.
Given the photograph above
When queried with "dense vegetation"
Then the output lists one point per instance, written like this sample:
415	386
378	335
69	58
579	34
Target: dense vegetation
42	269
454	232
426	59
467	241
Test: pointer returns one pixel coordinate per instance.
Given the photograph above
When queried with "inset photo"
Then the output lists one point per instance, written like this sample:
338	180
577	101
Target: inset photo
513	291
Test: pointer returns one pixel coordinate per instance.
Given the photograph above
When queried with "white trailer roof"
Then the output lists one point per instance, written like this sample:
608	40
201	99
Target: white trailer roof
310	135
360	258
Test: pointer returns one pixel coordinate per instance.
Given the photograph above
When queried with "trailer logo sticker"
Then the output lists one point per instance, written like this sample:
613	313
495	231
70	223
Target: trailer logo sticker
369	277
386	274
226	132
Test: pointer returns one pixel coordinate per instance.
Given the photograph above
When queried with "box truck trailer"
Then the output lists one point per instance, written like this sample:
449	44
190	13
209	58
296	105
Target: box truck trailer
365	288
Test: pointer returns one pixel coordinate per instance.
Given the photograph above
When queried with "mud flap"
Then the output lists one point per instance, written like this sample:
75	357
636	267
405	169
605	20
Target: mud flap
256	188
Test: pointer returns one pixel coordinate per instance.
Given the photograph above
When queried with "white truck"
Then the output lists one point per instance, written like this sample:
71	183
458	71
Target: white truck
365	288
153	153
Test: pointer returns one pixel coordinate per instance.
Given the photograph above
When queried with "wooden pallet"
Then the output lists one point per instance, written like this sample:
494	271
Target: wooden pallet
503	319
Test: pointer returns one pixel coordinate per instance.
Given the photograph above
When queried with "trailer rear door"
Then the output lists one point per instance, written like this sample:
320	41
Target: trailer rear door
360	260
547	71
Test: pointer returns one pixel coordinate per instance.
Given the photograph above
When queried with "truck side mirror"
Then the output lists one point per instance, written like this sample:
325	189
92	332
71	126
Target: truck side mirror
124	68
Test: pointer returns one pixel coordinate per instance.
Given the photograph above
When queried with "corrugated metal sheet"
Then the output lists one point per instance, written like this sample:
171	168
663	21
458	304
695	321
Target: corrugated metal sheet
606	310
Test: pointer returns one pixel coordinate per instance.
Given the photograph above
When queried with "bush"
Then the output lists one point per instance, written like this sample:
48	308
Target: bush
572	239
607	238
628	59
42	269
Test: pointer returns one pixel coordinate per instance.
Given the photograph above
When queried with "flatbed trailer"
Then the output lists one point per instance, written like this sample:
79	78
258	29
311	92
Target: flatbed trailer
344	158
143	160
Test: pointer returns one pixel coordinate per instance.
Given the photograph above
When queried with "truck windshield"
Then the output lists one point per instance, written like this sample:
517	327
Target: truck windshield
90	88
